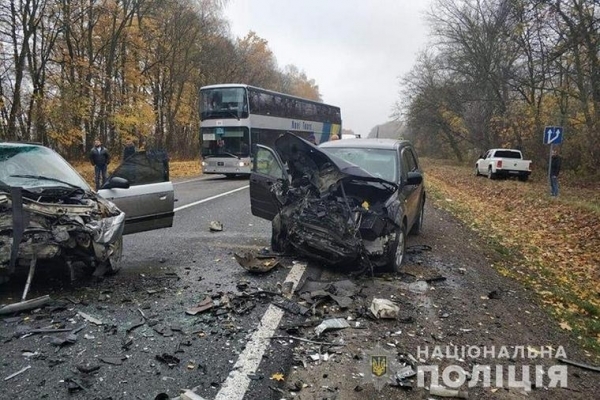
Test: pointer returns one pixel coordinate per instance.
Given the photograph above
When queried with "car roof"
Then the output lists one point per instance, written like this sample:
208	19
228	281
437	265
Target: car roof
368	143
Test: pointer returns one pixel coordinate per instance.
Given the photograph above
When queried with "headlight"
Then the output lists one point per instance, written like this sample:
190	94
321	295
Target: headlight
204	163
241	164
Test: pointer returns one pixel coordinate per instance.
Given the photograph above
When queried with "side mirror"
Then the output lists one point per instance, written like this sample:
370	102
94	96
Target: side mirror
414	178
116	182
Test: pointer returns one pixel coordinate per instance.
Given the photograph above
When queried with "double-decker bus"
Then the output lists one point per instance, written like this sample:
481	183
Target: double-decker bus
235	117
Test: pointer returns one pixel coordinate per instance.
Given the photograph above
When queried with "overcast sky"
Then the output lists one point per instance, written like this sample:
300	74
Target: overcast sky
355	50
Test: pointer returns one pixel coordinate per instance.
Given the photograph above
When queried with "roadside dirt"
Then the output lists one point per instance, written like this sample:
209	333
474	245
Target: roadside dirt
472	307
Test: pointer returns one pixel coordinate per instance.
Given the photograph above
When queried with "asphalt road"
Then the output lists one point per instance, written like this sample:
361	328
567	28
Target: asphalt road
163	273
147	346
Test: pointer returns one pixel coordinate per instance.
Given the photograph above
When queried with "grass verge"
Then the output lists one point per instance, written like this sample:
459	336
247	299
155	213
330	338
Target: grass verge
548	244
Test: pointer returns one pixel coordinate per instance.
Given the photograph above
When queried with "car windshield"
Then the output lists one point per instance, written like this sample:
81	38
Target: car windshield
35	167
381	163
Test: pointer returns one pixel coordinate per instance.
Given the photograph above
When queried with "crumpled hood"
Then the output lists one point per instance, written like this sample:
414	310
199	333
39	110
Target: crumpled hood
322	169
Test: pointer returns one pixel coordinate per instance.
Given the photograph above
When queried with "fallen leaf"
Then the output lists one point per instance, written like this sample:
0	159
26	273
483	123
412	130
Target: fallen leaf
278	376
565	326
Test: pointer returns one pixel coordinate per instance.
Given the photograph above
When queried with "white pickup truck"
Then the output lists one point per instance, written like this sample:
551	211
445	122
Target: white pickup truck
503	163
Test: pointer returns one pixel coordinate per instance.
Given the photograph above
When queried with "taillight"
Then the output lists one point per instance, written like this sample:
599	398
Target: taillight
499	164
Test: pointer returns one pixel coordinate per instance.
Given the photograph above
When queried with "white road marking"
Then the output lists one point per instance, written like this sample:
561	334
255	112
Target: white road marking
192	180
236	384
209	198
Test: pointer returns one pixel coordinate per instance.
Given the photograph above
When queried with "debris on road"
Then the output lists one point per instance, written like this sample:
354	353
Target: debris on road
438	278
189	395
88	368
168	359
136	324
89	318
204	305
339	291
25	305
63	341
332	323
445	392
384	308
252	263
17	373
113	360
291	306
74	385
578	364
215	226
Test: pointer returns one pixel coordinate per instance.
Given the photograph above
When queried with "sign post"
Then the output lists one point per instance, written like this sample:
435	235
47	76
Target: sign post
552	135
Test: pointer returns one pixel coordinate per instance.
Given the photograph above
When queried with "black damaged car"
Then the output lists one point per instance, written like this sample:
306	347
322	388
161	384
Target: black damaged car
346	202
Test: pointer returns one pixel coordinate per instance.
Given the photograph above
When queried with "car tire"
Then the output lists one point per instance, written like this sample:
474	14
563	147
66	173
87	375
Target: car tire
114	259
477	171
490	174
397	251
523	178
418	225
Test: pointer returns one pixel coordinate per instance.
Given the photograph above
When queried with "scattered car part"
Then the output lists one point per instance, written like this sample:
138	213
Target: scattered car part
252	263
384	308
332	323
215	226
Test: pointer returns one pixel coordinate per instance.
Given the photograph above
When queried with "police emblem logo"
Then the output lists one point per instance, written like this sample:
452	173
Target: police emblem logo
378	365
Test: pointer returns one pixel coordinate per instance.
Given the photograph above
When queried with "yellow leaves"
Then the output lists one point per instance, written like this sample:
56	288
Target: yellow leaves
564	325
278	376
556	242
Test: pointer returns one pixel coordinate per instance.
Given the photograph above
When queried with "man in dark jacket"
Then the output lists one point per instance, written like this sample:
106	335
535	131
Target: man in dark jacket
129	149
555	162
99	158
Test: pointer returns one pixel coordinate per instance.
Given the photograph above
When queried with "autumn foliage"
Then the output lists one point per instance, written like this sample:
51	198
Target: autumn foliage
74	71
550	244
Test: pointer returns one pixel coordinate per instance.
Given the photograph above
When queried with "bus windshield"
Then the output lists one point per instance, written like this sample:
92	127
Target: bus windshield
225	102
225	142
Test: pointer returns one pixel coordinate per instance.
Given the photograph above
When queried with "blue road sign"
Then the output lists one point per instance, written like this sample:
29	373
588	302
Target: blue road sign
553	135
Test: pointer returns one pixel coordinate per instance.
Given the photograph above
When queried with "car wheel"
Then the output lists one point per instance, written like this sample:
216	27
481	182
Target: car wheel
490	174
397	251
477	171
523	178
418	225
115	257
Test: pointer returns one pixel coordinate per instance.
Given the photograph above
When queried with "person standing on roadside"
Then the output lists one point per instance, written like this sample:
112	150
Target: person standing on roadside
555	162
99	158
129	149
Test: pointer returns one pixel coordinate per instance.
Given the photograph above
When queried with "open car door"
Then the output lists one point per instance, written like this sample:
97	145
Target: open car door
266	170
142	190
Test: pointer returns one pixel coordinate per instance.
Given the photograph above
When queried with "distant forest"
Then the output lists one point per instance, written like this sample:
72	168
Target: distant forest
496	73
499	71
75	70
